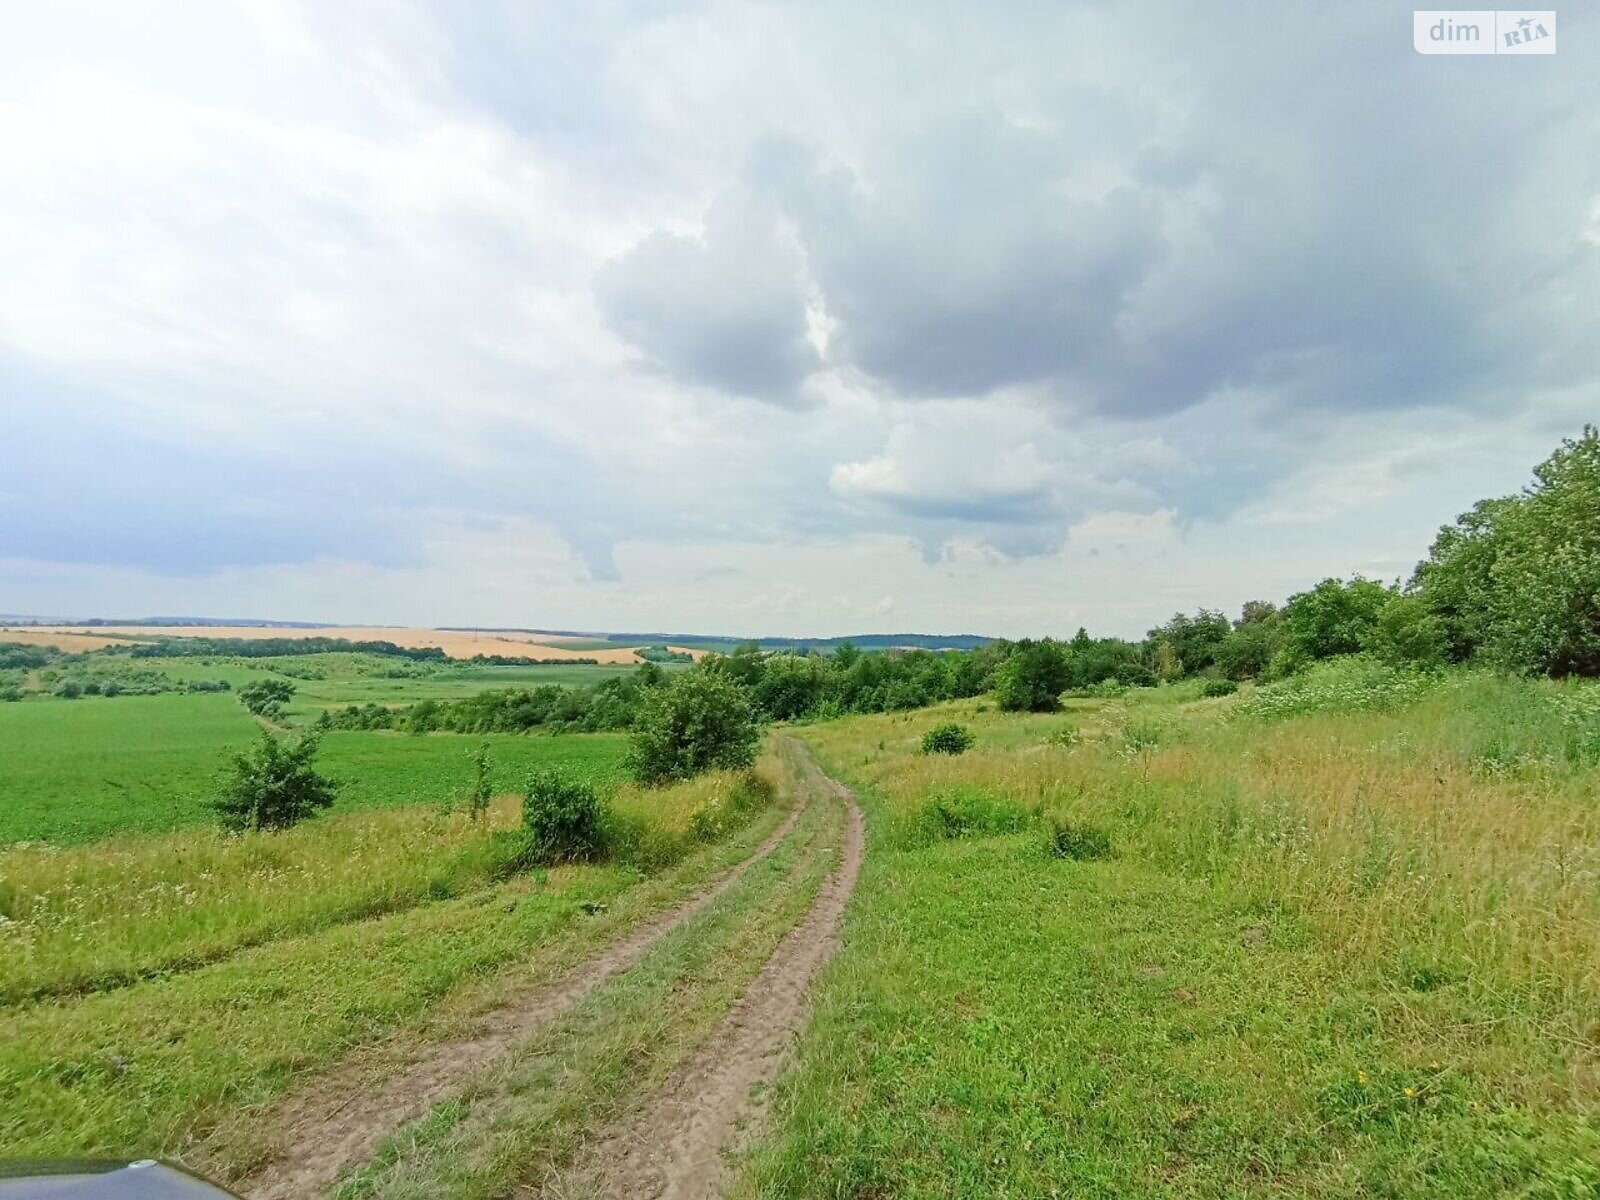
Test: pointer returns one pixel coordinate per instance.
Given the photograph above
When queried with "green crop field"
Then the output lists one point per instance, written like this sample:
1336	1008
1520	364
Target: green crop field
75	770
324	681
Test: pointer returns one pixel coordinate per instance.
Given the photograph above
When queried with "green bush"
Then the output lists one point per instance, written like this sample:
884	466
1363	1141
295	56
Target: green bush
1033	678
563	820
1215	688
700	722
1410	634
962	812
275	786
948	738
1077	840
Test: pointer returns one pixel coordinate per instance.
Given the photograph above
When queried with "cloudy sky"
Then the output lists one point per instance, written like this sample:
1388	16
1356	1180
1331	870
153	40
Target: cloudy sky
799	318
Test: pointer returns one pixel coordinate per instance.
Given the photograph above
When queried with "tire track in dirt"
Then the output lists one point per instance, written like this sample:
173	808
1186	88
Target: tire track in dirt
674	1149
339	1117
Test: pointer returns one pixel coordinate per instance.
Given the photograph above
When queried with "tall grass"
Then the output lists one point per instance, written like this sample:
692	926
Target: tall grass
87	917
84	918
1440	845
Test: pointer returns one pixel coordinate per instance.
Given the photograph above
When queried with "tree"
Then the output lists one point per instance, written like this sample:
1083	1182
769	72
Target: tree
1410	634
1518	579
1457	580
266	697
789	687
1256	638
699	722
274	786
1333	618
1033	678
1544	603
1193	642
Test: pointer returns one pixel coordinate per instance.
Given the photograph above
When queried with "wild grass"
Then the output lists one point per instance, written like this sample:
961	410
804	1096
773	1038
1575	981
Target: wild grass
1330	953
82	919
225	966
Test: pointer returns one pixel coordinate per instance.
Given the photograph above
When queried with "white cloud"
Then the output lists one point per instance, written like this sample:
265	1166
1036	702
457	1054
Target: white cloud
445	314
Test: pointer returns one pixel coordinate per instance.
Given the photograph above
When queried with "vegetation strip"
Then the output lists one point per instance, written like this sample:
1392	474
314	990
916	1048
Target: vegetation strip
336	1122
675	1149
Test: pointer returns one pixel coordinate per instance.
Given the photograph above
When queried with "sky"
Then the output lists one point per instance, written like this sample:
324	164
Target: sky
791	318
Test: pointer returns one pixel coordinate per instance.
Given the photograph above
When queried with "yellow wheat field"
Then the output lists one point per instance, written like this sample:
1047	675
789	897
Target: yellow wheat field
455	643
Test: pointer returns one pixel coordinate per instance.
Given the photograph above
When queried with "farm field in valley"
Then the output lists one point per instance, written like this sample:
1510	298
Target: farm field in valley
76	770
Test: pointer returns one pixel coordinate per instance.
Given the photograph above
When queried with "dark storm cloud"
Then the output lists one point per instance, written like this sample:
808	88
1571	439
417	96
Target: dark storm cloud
1332	219
727	308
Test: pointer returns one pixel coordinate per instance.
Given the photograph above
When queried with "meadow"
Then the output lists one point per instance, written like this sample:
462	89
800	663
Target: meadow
158	986
1333	938
74	771
324	681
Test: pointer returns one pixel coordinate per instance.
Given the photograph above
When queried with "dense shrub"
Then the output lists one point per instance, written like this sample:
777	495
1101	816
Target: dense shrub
563	820
1033	678
274	786
1410	634
1214	688
948	738
1077	840
23	657
700	722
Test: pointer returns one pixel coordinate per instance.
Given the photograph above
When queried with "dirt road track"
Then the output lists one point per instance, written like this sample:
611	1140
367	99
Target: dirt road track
341	1117
674	1150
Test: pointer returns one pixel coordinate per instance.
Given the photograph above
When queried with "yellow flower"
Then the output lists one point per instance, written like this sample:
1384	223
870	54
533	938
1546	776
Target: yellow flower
1361	1078
1411	1091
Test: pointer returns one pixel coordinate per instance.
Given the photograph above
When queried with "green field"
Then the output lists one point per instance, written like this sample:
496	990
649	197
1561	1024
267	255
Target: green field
72	771
368	678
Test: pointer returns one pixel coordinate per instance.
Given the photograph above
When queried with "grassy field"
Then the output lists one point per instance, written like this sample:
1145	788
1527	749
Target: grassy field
1318	952
73	771
157	988
324	681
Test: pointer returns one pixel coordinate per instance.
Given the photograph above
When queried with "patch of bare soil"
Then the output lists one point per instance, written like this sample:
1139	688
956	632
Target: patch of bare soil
339	1117
675	1149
